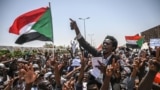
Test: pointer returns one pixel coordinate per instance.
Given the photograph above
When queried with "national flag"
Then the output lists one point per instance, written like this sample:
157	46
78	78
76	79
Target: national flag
132	39
140	42
135	41
33	25
99	48
157	78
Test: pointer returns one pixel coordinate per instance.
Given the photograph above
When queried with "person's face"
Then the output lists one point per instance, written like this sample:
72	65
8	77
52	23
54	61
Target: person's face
143	54
85	77
107	46
52	77
47	86
136	84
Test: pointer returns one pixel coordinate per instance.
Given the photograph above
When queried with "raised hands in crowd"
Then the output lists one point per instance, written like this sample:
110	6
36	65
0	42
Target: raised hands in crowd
119	69
154	65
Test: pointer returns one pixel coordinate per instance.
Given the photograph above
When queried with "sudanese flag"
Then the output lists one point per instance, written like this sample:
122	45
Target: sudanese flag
33	25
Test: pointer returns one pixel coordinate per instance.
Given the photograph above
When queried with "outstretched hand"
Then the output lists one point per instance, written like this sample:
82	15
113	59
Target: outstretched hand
28	73
74	27
109	71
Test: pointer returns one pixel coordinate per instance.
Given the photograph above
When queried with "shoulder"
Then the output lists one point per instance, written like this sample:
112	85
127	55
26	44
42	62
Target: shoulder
113	57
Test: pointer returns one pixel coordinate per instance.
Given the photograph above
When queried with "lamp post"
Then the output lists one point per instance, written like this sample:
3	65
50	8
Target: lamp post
84	26
91	35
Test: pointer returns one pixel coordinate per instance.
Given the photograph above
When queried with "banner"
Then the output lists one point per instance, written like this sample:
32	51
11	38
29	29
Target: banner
154	42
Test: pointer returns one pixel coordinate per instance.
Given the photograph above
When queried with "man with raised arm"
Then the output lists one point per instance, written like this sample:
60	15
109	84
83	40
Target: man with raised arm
109	45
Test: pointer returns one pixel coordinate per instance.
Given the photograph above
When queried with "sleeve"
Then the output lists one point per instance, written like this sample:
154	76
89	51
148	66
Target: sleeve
130	83
87	46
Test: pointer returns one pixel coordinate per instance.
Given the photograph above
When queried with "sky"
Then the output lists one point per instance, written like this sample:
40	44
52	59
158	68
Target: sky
117	18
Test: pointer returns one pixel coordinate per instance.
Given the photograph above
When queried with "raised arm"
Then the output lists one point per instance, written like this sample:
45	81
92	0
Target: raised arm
74	26
106	82
70	74
154	65
80	77
57	73
81	40
131	80
29	76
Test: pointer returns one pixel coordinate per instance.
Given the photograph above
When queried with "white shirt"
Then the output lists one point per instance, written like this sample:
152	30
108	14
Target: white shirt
105	61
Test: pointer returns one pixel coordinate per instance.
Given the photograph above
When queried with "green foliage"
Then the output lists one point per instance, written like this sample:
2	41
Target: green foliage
4	52
48	45
17	53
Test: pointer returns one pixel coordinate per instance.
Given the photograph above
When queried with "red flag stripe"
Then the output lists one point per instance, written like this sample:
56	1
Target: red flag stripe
136	37
26	18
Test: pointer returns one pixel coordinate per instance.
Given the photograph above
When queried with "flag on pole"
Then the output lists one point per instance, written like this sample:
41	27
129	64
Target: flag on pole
140	42
33	25
136	40
132	39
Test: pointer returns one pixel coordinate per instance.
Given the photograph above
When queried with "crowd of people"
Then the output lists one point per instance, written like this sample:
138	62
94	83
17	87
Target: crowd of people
120	68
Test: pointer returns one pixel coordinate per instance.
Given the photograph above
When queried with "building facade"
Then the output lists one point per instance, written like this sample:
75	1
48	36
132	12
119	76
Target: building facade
151	33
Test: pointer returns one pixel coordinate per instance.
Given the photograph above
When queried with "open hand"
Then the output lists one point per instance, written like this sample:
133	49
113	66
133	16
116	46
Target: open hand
109	70
29	75
101	67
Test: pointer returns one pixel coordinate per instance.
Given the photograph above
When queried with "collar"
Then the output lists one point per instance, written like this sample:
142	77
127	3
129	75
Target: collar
109	57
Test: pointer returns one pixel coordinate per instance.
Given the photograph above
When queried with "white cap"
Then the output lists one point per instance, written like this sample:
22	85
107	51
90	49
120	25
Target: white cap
47	74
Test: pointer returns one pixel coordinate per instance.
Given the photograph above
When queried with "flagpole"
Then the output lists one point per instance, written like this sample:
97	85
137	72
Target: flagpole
51	21
51	26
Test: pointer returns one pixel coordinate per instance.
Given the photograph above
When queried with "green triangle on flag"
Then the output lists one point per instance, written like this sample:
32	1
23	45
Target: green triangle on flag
140	42
44	25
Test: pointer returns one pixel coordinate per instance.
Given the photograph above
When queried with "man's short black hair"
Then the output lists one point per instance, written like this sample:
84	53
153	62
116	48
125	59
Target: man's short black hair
114	41
93	82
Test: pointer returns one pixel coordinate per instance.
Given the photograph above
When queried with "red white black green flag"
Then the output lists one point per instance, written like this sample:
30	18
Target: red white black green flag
33	25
